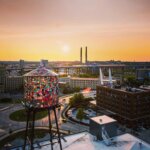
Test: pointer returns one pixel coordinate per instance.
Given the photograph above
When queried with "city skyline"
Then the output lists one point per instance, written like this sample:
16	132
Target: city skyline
55	30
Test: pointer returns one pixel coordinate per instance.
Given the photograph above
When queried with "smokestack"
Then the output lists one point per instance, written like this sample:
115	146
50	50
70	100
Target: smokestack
86	55
81	55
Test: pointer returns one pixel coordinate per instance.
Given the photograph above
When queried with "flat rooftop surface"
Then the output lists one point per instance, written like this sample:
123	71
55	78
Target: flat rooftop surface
145	87
130	90
93	102
104	119
76	78
85	141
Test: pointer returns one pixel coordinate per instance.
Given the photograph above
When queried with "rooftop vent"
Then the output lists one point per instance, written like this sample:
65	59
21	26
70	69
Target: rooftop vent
100	120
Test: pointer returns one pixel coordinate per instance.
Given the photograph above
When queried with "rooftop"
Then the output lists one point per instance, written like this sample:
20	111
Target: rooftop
76	78
102	65
95	79
84	141
145	87
103	119
93	102
40	71
130	90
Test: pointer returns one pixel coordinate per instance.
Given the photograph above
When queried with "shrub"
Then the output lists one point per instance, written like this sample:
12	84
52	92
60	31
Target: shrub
80	114
77	99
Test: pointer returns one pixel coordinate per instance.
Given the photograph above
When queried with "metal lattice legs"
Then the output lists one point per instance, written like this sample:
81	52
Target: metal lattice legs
26	132
57	127
31	140
50	129
32	132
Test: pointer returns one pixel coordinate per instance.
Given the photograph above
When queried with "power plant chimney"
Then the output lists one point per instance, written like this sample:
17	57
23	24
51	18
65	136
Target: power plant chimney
81	55
86	55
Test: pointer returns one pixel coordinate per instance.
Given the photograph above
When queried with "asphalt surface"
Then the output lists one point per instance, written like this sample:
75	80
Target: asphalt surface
6	124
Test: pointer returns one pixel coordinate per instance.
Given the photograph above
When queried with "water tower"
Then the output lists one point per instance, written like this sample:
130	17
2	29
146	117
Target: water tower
40	94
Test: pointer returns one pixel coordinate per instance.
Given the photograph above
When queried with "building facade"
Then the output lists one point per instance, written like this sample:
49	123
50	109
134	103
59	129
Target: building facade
2	78
142	74
13	83
130	108
84	82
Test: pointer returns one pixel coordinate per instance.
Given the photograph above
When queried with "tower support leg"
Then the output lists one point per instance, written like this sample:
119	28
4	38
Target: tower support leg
26	131
32	132
50	129
57	127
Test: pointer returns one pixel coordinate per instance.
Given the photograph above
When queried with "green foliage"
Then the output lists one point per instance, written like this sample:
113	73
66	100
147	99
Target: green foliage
80	114
68	90
88	99
21	115
17	101
77	99
76	89
39	133
65	90
9	100
6	100
132	81
146	81
88	75
64	120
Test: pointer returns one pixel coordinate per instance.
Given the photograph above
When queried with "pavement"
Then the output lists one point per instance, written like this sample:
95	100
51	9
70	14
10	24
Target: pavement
6	124
5	106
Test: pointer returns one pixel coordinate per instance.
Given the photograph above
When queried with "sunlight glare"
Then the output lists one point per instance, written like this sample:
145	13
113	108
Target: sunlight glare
66	48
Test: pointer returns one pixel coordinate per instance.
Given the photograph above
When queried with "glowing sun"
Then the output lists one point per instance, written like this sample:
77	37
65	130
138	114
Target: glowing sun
66	48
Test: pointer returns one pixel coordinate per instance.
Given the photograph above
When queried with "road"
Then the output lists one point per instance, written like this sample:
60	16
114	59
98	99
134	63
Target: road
6	123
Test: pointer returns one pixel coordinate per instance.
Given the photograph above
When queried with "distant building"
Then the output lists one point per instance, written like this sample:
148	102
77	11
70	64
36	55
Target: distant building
64	80
44	62
13	83
84	82
130	107
143	74
21	63
2	78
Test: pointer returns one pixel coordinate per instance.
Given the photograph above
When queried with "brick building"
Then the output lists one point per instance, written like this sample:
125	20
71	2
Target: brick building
130	107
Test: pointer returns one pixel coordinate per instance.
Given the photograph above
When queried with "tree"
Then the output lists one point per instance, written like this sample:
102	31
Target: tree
67	89
76	89
80	114
131	81
77	99
88	75
146	81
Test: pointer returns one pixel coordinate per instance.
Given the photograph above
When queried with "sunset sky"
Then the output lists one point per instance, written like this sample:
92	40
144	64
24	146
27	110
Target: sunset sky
56	29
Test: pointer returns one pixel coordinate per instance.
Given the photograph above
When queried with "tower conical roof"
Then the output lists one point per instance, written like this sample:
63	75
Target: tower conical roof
41	71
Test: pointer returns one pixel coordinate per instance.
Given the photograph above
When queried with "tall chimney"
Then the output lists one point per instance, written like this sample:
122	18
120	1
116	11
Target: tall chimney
81	55
86	55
